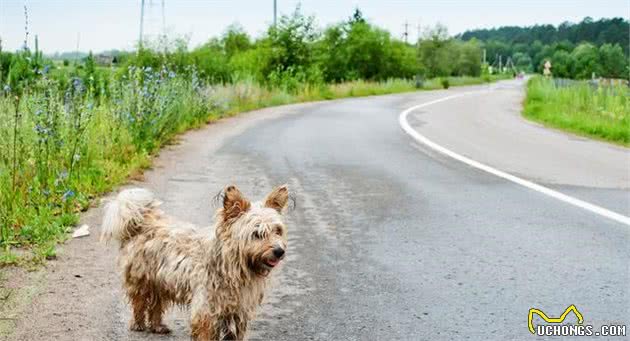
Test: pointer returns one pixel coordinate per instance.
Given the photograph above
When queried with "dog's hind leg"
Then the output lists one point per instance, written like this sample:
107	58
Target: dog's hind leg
156	310
139	305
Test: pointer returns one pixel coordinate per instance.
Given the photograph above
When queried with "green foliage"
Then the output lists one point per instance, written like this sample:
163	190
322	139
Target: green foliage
612	31
235	40
445	83
613	62
585	61
602	112
358	50
441	55
291	41
575	50
562	64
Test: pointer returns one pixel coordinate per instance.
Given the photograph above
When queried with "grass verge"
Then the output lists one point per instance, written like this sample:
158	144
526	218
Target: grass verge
602	113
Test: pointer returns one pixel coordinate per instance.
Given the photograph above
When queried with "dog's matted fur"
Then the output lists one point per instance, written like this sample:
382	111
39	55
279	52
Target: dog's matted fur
221	277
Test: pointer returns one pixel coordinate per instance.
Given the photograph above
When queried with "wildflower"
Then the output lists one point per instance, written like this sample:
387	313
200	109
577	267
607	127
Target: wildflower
7	88
41	130
69	194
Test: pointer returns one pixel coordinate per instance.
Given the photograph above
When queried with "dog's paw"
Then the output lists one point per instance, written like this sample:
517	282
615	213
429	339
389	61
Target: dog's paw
161	329
136	327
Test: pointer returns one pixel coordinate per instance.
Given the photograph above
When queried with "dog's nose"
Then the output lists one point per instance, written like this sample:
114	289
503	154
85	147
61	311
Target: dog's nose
278	251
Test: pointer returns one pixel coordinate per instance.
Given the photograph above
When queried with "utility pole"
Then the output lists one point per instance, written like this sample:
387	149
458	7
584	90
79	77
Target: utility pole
141	23
419	27
406	34
500	64
484	56
164	39
76	54
275	13
163	18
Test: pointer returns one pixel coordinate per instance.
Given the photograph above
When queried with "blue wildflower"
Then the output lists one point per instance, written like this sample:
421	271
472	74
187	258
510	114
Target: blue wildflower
67	195
39	129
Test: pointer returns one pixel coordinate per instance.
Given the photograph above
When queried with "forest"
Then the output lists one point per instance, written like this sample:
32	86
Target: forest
576	50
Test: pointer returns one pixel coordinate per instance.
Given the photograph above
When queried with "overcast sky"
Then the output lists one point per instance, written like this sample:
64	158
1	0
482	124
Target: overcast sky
114	24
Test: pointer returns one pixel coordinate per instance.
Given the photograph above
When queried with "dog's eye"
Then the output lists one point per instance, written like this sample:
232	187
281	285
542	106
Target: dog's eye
277	231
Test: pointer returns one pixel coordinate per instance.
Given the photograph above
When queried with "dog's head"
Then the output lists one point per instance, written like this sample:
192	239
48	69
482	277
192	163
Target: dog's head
254	232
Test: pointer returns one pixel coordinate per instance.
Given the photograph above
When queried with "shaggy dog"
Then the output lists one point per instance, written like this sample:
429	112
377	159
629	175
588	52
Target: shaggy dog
221	277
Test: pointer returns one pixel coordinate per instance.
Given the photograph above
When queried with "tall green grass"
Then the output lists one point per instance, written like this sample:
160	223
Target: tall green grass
63	146
602	113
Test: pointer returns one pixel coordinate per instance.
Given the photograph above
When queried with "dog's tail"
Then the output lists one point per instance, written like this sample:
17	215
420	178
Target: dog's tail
125	216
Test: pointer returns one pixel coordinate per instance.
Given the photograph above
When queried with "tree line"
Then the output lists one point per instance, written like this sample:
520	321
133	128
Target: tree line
293	52
296	51
578	50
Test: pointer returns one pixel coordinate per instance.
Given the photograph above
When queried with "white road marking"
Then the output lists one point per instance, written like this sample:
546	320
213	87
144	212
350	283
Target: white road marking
404	124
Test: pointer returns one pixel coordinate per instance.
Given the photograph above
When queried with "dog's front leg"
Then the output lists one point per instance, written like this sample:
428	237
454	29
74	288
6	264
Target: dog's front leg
204	328
203	324
232	327
240	324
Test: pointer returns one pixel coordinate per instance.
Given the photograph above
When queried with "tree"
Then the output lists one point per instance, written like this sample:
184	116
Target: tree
433	52
522	61
235	40
585	61
358	50
291	42
468	58
613	62
357	17
561	64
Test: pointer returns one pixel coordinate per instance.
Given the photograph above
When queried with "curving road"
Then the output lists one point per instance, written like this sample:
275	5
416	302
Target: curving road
390	239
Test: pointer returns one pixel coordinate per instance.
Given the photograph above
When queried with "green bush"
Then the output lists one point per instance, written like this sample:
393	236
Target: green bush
445	83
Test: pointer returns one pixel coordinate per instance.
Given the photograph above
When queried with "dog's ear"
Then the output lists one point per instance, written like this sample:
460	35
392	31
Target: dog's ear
234	203
278	198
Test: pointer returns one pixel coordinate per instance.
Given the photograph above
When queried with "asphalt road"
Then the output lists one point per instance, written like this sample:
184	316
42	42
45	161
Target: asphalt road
389	239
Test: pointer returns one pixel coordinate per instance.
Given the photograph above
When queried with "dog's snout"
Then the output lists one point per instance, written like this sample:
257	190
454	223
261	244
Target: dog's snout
278	251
